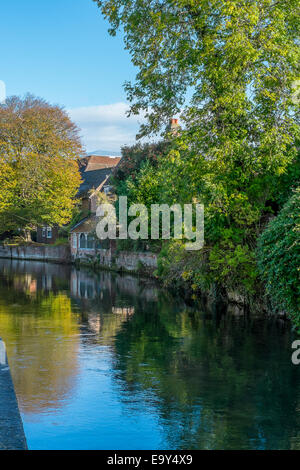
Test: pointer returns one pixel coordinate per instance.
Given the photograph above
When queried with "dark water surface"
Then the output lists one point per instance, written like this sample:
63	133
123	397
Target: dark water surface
101	361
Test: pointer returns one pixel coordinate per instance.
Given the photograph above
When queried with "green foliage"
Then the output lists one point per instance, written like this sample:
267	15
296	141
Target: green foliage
134	157
61	241
184	270
143	187
288	182
227	55
279	258
76	217
233	265
39	175
230	68
224	264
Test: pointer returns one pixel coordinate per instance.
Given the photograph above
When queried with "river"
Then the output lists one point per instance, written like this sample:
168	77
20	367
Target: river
104	361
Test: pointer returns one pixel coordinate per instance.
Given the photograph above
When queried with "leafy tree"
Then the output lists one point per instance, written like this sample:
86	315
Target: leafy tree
230	55
39	175
230	68
136	177
279	258
135	156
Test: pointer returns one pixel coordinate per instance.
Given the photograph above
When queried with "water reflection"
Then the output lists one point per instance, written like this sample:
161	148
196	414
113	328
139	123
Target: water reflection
230	386
34	315
107	361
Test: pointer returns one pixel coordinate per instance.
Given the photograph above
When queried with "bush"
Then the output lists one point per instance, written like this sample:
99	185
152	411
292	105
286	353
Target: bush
279	259
61	241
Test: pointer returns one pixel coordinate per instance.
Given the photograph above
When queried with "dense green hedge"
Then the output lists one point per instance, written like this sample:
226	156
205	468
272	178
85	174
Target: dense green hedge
279	259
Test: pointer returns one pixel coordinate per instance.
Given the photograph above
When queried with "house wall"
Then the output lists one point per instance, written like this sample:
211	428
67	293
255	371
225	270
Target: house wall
109	258
43	238
94	203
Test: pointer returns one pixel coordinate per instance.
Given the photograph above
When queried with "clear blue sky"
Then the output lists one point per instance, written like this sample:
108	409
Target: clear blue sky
61	50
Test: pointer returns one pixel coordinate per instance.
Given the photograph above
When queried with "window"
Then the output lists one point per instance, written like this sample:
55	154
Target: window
49	232
90	242
74	240
44	233
82	240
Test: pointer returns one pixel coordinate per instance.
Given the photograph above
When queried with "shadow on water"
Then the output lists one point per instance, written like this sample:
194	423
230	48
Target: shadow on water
130	366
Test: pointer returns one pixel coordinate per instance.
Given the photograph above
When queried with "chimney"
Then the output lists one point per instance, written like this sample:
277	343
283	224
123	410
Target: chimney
174	126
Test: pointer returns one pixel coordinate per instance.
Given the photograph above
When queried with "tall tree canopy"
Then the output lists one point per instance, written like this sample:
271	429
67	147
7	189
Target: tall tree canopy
237	58
39	175
230	68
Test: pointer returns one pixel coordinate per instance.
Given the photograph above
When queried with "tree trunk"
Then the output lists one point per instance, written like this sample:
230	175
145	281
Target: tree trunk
27	235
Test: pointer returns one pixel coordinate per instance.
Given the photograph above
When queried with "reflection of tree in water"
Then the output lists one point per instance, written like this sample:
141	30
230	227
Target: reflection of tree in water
42	326
223	385
44	365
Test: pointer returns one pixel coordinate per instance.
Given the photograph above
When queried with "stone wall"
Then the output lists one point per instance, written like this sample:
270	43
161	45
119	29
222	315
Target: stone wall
131	261
58	254
119	261
12	435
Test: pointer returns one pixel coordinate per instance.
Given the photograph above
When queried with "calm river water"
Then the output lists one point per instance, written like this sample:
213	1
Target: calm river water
102	361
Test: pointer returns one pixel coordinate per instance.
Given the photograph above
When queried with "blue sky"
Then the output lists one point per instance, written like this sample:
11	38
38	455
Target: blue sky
61	50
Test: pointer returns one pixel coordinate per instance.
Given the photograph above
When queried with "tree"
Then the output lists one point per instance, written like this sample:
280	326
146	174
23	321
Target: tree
219	51
135	156
230	68
279	258
39	175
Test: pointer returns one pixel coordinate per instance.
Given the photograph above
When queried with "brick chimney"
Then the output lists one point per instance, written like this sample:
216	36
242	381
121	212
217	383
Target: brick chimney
174	126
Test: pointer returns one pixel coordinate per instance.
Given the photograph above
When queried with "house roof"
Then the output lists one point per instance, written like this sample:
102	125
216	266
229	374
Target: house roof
86	225
94	171
97	162
92	180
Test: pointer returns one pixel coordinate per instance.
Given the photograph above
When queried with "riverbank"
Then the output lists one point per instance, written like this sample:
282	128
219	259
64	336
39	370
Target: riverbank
12	436
141	263
37	252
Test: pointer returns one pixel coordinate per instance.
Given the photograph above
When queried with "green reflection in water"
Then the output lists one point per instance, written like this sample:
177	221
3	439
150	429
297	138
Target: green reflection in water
226	384
32	322
213	381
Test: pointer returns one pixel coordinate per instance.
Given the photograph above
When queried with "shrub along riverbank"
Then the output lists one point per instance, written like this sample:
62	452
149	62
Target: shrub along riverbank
279	259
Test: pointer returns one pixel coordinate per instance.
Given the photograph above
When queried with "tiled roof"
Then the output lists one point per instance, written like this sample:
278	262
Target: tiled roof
92	180
94	171
97	162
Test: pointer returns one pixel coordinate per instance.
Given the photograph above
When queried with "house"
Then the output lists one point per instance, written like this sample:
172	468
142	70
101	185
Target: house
97	162
95	173
47	235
